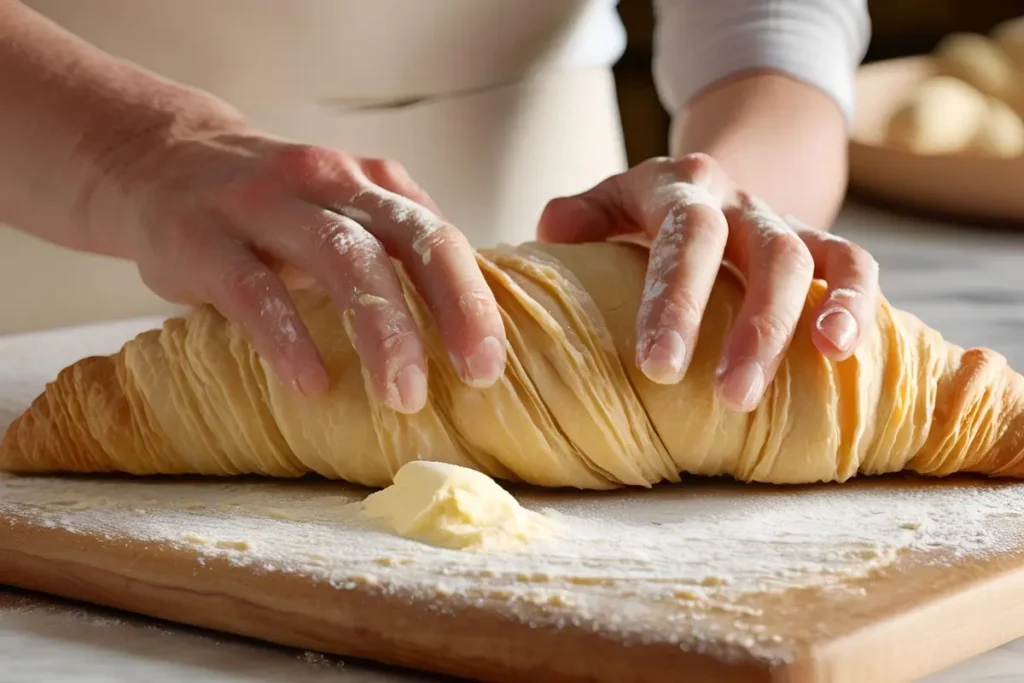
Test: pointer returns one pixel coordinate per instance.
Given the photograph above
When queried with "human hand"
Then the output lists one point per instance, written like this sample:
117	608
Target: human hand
215	218
697	217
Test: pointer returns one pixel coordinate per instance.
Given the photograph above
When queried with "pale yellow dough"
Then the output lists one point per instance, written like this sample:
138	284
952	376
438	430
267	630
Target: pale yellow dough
941	116
946	115
978	60
1009	36
455	507
571	410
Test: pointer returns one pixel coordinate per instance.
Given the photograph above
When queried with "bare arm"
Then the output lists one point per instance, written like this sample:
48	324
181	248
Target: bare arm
780	139
766	87
74	119
102	156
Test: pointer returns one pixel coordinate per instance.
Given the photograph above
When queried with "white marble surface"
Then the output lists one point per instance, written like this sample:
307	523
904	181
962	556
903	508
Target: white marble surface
965	281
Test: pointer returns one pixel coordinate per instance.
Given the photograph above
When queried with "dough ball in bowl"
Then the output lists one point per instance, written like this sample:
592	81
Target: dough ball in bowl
1009	36
941	116
977	60
1001	133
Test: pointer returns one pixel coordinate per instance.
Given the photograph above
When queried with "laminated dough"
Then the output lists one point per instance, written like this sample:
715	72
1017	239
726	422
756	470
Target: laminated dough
572	409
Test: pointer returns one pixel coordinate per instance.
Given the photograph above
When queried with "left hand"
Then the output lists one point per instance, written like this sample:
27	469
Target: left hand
697	217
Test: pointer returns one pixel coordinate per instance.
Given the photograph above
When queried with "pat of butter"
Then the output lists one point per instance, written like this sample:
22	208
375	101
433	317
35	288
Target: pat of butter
455	507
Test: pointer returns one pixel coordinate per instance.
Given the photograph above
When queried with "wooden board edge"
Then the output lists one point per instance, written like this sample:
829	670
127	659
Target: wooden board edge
923	640
362	621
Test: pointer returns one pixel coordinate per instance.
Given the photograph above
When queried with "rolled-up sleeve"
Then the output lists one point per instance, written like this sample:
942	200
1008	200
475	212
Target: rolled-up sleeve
699	42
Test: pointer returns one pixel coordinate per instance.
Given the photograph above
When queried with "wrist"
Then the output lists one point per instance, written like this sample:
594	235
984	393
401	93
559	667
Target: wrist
778	138
123	151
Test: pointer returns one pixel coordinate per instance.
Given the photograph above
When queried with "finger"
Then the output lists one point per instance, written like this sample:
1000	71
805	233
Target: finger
779	271
393	176
251	296
850	303
677	202
443	267
356	272
684	262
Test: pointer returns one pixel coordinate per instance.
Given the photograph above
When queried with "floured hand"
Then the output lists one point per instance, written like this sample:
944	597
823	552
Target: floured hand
219	216
697	218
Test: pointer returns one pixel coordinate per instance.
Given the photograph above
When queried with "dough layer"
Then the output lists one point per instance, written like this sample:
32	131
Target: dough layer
572	409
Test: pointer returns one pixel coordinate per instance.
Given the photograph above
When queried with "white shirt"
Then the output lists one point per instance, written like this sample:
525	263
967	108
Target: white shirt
698	42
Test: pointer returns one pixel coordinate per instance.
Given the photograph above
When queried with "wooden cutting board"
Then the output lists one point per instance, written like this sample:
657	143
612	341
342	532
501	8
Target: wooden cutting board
878	581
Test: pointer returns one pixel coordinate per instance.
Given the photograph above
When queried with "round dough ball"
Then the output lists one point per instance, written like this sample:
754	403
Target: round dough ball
978	60
1001	133
1009	36
942	116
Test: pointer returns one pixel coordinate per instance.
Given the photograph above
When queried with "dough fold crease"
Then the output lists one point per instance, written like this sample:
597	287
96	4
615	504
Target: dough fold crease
572	409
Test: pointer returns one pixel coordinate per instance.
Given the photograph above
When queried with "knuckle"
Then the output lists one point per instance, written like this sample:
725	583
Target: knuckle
304	160
697	164
860	258
340	242
308	162
386	171
657	163
786	247
771	329
438	236
475	302
697	212
681	309
242	284
394	337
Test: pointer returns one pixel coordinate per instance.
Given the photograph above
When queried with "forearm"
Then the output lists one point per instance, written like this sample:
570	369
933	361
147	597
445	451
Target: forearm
767	87
777	138
74	121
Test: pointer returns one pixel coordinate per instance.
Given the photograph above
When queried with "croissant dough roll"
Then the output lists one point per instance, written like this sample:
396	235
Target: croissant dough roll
571	410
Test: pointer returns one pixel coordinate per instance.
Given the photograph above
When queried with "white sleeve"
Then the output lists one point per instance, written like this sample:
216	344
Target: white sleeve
698	42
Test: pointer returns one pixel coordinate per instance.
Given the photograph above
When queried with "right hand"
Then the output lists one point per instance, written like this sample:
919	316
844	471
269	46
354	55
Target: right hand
214	219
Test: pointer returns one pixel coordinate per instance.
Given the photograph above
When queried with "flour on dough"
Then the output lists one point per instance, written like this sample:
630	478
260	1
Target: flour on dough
455	507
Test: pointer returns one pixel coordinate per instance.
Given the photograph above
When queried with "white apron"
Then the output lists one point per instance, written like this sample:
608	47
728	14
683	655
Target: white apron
472	96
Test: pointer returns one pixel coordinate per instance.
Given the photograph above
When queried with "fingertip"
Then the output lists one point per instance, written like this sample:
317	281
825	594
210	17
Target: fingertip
312	381
484	365
408	391
741	384
663	359
839	328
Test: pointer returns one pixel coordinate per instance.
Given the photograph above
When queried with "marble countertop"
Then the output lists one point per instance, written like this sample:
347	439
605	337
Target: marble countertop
965	281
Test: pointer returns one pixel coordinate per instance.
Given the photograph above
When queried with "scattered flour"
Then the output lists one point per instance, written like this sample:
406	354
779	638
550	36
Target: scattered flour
278	314
404	212
694	564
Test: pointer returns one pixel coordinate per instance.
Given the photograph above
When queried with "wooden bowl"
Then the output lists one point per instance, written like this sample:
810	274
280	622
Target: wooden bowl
987	188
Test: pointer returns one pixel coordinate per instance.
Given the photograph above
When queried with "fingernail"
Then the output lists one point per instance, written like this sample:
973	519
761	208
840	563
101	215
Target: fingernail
411	383
839	327
313	382
485	365
742	384
664	362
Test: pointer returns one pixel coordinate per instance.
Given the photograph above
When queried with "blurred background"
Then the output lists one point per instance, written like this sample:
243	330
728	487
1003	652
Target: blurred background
899	28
